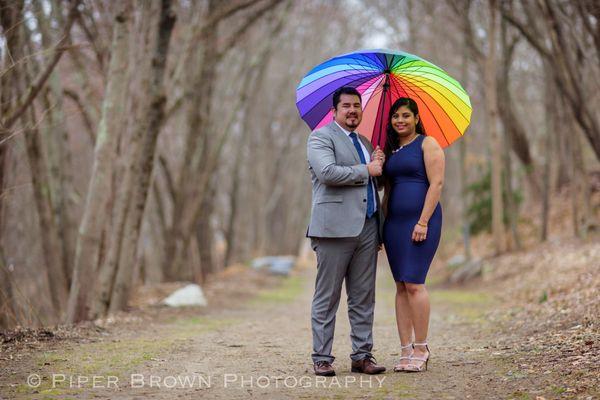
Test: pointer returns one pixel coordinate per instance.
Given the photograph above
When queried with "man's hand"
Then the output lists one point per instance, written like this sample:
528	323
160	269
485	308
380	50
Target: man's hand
378	154
375	168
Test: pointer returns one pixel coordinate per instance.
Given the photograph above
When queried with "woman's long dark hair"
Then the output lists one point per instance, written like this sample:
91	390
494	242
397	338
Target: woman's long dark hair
392	142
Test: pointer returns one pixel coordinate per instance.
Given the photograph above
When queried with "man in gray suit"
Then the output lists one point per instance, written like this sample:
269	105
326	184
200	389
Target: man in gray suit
345	232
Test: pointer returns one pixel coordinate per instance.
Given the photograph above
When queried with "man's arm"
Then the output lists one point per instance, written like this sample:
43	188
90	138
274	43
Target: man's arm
321	159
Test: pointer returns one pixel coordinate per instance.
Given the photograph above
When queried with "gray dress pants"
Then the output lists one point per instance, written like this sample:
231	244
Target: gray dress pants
355	260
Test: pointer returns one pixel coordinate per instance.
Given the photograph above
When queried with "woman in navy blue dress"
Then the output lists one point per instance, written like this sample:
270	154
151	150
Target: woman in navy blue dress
413	174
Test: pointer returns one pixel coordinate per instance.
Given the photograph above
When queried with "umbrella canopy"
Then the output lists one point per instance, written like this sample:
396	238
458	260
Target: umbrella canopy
381	77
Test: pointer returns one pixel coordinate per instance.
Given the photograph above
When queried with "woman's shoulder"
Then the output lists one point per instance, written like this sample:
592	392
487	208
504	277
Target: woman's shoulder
429	143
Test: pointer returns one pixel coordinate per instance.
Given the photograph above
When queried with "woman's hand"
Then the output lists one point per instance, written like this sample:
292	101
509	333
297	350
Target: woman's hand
419	233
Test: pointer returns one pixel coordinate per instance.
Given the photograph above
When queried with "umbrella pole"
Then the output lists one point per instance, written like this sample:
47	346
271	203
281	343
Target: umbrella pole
386	86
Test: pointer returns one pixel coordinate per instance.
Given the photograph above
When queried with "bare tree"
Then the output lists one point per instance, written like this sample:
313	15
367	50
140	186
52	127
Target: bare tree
116	273
89	241
546	27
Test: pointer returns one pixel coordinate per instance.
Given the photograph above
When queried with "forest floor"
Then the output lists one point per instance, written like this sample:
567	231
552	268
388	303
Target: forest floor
526	329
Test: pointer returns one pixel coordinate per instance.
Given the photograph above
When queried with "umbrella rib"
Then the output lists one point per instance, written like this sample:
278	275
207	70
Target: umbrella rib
422	83
368	61
364	62
410	75
443	75
422	79
360	61
316	103
361	71
430	111
353	67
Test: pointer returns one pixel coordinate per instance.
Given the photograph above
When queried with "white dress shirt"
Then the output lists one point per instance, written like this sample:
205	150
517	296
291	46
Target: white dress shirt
367	159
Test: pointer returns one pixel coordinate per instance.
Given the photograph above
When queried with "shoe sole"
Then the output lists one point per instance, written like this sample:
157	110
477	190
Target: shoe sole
325	373
360	371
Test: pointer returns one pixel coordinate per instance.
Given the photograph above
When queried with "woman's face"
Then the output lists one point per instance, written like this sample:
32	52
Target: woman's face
404	121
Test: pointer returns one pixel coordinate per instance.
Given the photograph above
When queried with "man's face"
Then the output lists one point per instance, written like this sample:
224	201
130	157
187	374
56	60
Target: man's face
348	113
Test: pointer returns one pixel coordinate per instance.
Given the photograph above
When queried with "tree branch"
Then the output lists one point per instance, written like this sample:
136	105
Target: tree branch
248	23
530	36
87	119
45	74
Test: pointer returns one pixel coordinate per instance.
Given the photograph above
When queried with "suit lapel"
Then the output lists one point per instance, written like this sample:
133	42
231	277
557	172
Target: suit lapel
346	140
367	145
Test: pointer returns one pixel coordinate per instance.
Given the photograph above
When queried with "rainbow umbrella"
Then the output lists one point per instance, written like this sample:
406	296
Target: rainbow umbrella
381	77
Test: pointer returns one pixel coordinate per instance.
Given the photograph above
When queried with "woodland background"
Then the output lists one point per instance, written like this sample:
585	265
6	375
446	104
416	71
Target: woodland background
158	140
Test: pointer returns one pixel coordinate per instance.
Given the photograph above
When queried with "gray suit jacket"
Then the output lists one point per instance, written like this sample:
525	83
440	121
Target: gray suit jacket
339	179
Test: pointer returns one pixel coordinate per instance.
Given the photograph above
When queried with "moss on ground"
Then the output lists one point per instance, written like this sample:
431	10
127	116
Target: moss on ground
115	358
111	358
288	291
469	306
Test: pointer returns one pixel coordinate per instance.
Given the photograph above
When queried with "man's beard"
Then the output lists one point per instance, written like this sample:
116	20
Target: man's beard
352	124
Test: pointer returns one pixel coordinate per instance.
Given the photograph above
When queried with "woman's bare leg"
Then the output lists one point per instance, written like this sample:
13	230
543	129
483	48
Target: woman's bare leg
418	300
404	322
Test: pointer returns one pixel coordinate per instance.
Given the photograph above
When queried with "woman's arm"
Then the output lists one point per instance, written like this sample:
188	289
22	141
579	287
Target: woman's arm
433	156
386	197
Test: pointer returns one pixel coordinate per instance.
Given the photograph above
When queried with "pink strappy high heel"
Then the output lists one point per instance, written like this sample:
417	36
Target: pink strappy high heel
402	367
418	368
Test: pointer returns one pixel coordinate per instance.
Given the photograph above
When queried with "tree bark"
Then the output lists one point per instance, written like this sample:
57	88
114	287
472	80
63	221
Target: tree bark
564	60
463	171
89	240
52	249
197	142
202	149
7	302
56	142
23	110
205	234
496	142
550	128
139	176
517	138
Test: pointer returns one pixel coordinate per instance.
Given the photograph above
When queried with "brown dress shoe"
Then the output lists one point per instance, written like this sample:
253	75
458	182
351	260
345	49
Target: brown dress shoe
324	368
367	365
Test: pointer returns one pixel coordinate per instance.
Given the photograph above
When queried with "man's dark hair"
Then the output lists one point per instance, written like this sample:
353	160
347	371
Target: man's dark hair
344	90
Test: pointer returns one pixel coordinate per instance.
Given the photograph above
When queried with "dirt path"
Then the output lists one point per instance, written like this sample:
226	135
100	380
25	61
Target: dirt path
261	349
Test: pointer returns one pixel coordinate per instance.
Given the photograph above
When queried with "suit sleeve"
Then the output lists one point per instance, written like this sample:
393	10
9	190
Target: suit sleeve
321	158
381	181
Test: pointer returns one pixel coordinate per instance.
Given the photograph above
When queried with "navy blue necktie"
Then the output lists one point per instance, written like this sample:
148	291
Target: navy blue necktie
370	197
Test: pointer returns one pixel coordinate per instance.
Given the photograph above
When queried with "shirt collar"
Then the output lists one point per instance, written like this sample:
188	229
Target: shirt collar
343	130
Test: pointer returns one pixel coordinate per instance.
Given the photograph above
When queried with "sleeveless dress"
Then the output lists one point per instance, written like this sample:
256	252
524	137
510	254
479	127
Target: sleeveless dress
406	174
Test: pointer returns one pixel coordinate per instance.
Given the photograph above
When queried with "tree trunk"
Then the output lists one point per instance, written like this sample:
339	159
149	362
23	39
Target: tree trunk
205	234
139	176
197	144
578	185
565	62
8	316
496	143
462	159
230	233
93	221
8	18
517	138
203	146
549	150
48	230
56	142
511	206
